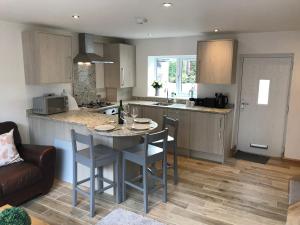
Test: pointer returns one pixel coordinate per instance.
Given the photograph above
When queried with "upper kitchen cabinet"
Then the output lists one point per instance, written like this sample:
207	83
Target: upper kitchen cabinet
99	67
216	61
121	73
47	57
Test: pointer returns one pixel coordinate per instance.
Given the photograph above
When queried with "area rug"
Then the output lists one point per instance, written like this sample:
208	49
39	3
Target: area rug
124	217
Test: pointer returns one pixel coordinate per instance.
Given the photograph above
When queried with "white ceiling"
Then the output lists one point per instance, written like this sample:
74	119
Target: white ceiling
185	18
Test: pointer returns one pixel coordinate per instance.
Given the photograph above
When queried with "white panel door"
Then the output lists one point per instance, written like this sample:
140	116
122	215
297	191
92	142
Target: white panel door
264	104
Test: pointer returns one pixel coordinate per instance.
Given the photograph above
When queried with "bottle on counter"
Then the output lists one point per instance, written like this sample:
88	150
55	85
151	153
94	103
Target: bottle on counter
120	113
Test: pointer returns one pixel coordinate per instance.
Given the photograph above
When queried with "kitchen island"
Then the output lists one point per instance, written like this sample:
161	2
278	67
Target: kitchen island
56	130
204	132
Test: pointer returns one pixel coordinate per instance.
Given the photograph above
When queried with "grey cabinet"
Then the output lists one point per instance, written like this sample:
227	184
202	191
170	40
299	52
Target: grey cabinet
183	138
216	61
207	135
155	113
47	57
207	132
99	67
121	73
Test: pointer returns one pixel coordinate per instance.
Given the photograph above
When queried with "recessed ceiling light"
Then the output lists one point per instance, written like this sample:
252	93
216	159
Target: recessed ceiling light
167	4
216	30
76	17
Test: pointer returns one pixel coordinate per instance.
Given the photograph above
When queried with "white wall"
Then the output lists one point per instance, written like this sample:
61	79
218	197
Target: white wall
249	43
15	95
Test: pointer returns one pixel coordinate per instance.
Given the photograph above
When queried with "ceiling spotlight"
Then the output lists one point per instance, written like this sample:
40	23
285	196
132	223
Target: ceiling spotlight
167	4
141	20
76	17
216	30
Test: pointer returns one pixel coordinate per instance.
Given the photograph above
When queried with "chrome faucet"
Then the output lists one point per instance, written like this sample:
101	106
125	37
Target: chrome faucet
167	95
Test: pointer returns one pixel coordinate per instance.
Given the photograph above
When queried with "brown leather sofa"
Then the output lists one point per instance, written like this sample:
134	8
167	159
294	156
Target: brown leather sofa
24	180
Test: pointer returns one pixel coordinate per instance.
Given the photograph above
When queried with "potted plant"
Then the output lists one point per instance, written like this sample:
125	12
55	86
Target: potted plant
156	85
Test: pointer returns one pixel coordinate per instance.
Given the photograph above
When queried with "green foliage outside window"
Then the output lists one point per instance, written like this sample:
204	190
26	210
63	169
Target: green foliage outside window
188	71
172	71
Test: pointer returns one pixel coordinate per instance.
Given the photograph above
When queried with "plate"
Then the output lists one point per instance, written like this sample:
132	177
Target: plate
142	120
106	127
140	127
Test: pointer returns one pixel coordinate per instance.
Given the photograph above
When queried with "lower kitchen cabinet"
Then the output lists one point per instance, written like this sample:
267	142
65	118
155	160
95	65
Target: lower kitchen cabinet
204	135
206	132
155	113
183	138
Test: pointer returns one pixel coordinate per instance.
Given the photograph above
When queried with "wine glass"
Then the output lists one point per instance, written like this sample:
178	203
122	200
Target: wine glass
126	110
134	114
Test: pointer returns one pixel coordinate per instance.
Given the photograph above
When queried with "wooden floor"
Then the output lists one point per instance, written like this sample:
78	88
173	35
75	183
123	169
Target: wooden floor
238	192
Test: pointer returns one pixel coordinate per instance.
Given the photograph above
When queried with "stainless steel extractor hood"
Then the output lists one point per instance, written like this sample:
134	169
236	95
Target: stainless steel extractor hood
87	51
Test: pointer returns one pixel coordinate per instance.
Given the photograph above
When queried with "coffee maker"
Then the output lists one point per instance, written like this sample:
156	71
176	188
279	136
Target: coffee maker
221	100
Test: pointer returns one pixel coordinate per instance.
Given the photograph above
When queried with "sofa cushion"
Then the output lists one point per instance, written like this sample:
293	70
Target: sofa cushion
18	176
8	126
8	150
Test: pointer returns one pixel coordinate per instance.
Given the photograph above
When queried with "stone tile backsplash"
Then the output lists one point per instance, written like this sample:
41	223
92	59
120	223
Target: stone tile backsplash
84	84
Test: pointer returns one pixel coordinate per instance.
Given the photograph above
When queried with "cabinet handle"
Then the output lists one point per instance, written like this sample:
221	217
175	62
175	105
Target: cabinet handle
220	123
220	135
122	77
70	67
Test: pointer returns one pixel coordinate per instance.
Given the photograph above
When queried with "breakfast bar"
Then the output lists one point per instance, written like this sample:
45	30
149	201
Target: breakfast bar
56	130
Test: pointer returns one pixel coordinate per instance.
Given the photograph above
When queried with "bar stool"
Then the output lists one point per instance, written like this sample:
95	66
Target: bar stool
143	155
172	125
94	157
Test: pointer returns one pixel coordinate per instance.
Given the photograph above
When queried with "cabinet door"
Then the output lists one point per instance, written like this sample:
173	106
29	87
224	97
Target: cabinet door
155	113
127	66
198	131
183	138
216	61
99	67
216	134
206	132
112	70
55	58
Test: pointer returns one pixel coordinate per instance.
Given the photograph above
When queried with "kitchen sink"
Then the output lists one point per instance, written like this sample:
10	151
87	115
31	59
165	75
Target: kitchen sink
163	103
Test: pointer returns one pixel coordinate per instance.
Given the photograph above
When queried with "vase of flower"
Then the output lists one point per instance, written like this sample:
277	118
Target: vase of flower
156	91
156	85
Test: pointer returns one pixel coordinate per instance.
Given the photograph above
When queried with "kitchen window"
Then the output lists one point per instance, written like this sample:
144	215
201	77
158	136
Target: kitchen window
177	75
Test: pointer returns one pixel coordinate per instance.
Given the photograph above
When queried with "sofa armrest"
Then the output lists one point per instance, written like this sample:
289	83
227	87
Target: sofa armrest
294	190
39	155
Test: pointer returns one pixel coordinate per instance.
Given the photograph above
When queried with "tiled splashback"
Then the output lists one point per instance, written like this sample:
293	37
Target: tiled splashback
84	84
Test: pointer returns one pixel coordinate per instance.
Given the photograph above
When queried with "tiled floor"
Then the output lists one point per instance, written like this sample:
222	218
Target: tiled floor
208	193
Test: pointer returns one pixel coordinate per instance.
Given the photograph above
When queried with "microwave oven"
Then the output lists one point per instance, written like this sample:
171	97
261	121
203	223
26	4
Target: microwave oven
50	104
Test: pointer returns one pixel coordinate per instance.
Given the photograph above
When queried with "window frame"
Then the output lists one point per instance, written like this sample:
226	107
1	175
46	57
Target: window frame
179	64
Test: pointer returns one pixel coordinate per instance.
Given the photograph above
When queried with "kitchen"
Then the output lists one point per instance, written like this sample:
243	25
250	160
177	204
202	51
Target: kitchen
199	81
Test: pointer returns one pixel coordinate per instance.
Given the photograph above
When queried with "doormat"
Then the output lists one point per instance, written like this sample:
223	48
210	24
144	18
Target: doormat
251	157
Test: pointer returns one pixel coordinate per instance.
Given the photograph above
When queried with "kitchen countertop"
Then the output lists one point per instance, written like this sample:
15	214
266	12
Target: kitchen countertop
91	120
178	106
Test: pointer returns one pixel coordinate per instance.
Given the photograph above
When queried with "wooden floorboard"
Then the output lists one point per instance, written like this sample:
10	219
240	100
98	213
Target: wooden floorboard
235	193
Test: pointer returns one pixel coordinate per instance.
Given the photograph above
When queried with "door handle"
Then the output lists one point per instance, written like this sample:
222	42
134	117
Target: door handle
243	104
122	76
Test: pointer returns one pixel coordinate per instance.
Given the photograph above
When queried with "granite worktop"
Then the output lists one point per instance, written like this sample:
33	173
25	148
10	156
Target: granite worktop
178	106
92	119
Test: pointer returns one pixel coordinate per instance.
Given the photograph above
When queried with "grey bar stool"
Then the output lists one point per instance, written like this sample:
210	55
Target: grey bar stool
94	157
143	155
172	125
